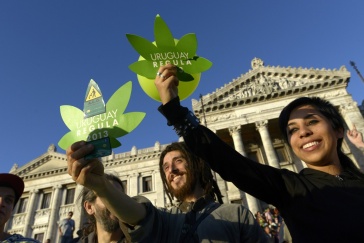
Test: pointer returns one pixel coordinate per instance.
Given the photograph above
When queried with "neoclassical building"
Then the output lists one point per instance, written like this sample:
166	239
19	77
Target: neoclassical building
243	113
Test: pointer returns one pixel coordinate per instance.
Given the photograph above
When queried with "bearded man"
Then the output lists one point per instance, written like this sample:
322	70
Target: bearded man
102	226
196	218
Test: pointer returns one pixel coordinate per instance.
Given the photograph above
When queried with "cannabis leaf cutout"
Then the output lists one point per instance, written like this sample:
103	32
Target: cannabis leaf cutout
166	49
113	123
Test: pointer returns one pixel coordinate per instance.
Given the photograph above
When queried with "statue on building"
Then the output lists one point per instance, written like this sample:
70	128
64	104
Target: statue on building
257	62
14	168
52	148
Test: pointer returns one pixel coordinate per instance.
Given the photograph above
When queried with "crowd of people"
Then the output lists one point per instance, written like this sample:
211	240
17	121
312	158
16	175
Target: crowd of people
186	178
314	203
273	225
311	126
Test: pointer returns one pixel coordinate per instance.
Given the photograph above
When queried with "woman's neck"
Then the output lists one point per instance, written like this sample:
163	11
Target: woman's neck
332	169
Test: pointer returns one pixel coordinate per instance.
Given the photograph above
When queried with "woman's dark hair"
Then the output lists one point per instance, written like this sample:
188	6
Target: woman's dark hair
89	196
332	114
196	165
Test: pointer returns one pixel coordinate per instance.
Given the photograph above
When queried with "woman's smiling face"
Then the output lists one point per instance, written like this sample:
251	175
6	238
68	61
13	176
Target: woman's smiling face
312	137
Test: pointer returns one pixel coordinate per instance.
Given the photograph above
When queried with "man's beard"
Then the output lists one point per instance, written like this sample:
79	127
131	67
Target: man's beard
187	189
103	217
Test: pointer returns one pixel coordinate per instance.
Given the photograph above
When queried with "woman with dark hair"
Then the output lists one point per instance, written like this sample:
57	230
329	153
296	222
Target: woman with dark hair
330	113
317	203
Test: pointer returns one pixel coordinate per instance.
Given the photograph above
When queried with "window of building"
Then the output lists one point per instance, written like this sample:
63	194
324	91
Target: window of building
237	201
253	155
70	196
125	186
23	202
46	200
282	154
147	183
39	237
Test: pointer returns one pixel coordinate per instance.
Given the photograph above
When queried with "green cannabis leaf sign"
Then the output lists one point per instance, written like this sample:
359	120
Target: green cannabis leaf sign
166	49
113	123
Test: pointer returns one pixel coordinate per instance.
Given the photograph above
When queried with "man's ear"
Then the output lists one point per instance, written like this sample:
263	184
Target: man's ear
89	207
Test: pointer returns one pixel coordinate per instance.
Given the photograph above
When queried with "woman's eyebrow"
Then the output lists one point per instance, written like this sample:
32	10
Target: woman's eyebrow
308	116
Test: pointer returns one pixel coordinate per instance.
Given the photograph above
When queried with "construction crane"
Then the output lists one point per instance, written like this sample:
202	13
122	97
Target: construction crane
357	70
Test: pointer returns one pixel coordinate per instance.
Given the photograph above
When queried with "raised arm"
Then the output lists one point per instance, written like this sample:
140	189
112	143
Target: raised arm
90	173
261	181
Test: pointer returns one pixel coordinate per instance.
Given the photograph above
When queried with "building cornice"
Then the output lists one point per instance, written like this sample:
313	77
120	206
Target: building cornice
27	173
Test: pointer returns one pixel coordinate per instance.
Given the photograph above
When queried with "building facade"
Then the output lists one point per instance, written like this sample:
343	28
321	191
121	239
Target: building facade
244	113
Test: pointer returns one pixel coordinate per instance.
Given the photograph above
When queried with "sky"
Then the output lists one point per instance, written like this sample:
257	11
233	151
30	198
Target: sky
49	51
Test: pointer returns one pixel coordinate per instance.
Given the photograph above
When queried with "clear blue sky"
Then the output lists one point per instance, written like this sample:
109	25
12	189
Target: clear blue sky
49	51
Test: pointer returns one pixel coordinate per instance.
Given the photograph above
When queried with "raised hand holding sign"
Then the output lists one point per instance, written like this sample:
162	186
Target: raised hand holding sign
111	124
166	49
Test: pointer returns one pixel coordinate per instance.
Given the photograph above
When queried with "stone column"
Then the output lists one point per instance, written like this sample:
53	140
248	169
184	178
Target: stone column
54	212
78	213
221	183
235	132
262	127
29	219
160	202
134	184
352	115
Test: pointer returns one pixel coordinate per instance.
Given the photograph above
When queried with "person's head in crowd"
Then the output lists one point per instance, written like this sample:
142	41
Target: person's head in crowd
276	212
316	119
266	228
11	189
14	183
273	227
79	232
182	172
98	215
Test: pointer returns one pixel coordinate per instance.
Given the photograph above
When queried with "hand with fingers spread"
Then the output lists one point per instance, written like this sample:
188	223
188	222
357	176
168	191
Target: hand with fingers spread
167	82
356	137
89	173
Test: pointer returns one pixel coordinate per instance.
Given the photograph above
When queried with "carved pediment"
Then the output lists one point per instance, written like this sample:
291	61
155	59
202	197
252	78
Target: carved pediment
46	163
267	81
